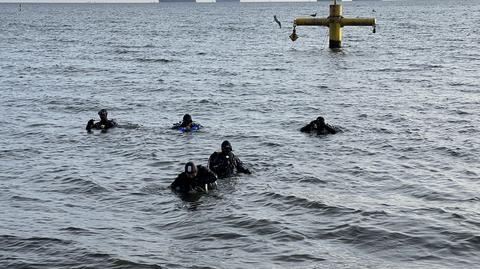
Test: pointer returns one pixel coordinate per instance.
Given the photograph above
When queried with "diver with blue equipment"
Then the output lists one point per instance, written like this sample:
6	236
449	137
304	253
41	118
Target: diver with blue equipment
187	125
103	124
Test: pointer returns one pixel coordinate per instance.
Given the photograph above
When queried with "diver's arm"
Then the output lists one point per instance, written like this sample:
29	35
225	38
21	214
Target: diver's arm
206	175
240	167
90	125
112	123
307	128
210	176
178	186
330	129
213	162
210	161
177	125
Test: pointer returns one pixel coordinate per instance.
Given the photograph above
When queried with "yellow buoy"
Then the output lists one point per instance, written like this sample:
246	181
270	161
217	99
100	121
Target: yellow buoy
335	23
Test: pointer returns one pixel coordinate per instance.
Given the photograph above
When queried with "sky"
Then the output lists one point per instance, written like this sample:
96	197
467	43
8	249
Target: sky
78	1
115	1
120	1
125	1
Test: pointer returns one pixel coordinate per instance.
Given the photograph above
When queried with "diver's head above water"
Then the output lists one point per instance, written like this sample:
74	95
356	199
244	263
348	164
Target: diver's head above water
226	147
190	170
103	114
320	121
187	119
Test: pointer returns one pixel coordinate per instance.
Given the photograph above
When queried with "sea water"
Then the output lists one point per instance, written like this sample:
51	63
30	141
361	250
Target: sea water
397	188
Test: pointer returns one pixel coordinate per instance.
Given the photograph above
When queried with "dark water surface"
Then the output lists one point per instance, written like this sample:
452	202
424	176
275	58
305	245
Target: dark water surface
399	188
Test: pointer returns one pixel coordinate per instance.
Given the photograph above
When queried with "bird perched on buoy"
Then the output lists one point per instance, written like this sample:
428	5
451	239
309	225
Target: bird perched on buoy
277	21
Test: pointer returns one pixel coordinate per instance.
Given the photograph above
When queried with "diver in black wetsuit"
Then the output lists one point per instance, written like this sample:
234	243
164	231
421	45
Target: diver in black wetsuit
224	163
103	124
318	126
194	179
187	124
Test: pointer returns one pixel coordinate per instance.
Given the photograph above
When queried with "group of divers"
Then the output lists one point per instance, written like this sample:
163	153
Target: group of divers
221	164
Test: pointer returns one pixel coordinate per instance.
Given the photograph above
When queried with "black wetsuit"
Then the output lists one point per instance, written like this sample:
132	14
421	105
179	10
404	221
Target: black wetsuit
224	165
317	127
101	125
184	184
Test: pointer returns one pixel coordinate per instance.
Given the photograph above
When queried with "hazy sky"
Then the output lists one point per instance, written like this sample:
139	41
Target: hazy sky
78	1
124	1
112	1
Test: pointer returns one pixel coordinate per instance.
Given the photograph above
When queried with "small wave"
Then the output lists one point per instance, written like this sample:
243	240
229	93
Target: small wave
162	163
303	202
122	51
77	231
226	236
423	192
454	152
312	180
136	46
150	60
130	126
274	69
62	40
396	70
227	85
360	235
425	66
81	186
20	243
119	263
45	252
456	83
297	258
16	153
231	28
26	199
264	227
470	173
33	125
271	144
288	201
207	101
461	112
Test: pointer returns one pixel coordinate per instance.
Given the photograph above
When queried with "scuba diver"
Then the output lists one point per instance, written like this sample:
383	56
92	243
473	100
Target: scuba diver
103	124
318	126
224	163
187	124
194	179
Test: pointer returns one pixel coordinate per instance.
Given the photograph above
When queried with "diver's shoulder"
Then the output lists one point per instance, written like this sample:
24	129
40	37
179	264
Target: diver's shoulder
215	154
202	168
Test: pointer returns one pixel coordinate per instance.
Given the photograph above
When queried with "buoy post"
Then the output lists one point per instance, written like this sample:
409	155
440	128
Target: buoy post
335	22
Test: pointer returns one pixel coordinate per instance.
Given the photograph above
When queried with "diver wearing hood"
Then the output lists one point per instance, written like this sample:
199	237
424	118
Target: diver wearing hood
225	163
103	124
194	179
187	124
318	126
